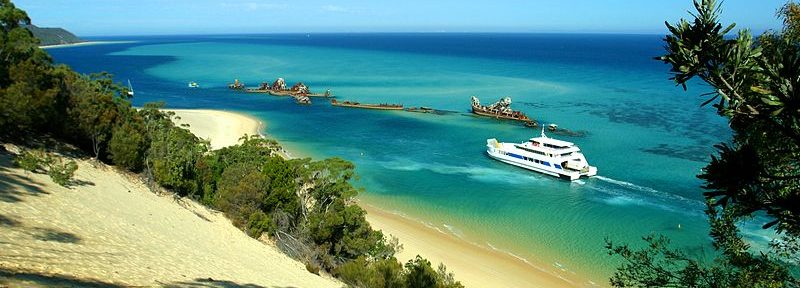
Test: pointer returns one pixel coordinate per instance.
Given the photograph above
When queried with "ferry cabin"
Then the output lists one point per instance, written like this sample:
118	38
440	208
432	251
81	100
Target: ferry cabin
545	155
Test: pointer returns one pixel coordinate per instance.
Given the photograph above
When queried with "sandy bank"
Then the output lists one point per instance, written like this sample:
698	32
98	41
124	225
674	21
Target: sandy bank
110	229
220	127
87	43
473	265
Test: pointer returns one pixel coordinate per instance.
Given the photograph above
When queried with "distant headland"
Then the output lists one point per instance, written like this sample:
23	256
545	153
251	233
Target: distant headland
53	36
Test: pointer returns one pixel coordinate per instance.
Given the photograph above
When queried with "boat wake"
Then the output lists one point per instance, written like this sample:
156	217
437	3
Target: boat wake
478	173
625	194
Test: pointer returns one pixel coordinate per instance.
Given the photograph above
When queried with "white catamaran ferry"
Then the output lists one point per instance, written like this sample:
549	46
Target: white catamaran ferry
545	155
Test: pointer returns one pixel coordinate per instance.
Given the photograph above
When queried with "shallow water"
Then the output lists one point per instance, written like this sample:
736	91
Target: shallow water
647	137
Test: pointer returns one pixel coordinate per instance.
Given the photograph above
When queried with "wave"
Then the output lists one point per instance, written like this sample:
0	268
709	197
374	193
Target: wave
529	263
453	231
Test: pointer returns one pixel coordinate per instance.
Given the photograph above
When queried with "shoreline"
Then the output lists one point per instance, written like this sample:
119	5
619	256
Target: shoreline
221	128
85	43
474	265
224	128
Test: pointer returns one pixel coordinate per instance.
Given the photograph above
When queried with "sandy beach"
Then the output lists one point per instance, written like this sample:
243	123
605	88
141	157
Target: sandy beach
221	128
473	265
86	43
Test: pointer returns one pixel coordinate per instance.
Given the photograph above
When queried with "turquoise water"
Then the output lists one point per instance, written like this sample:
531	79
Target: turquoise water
647	137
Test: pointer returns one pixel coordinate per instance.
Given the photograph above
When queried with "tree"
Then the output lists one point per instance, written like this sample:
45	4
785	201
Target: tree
127	146
92	111
16	42
755	85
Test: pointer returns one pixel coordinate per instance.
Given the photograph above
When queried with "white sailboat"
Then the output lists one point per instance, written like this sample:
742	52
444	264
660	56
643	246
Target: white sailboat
130	88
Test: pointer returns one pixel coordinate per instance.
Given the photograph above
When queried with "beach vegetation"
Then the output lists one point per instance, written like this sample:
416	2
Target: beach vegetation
127	145
33	160
389	273
172	152
61	170
58	168
755	177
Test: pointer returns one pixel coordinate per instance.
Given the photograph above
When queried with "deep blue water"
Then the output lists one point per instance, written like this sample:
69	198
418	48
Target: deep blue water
648	138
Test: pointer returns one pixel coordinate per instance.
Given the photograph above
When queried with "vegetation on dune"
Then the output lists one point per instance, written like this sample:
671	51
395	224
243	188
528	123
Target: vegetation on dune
59	169
305	206
755	177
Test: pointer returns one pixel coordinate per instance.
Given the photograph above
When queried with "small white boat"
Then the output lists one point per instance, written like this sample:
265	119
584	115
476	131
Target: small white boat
193	85
544	155
130	88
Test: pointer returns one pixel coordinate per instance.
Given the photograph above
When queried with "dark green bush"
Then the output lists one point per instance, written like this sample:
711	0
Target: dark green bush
127	146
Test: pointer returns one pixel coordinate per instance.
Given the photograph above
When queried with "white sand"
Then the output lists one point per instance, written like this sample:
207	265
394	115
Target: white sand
86	43
221	128
473	265
113	229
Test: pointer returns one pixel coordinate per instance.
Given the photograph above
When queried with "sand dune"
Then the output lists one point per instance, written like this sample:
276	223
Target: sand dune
109	229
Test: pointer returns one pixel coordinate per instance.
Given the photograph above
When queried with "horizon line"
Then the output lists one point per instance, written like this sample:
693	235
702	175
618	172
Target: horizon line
382	32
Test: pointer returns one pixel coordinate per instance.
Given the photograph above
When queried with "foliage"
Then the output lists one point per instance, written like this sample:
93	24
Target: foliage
388	273
61	171
419	273
92	112
33	160
754	177
173	152
127	146
383	273
38	160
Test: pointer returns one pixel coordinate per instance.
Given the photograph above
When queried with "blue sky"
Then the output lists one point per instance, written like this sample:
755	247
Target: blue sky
154	17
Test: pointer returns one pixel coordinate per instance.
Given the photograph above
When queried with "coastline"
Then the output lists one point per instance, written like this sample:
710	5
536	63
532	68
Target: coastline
220	128
473	265
85	43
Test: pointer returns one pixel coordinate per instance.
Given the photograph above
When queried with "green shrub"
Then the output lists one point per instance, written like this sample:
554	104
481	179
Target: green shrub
62	171
363	273
258	223
127	147
420	274
33	160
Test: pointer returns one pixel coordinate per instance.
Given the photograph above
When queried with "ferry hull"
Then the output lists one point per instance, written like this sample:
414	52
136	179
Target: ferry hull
571	176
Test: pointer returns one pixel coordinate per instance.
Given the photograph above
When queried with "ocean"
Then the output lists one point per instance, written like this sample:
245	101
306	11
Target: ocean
648	138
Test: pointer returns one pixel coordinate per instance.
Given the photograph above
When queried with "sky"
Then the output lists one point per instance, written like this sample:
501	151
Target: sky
170	17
